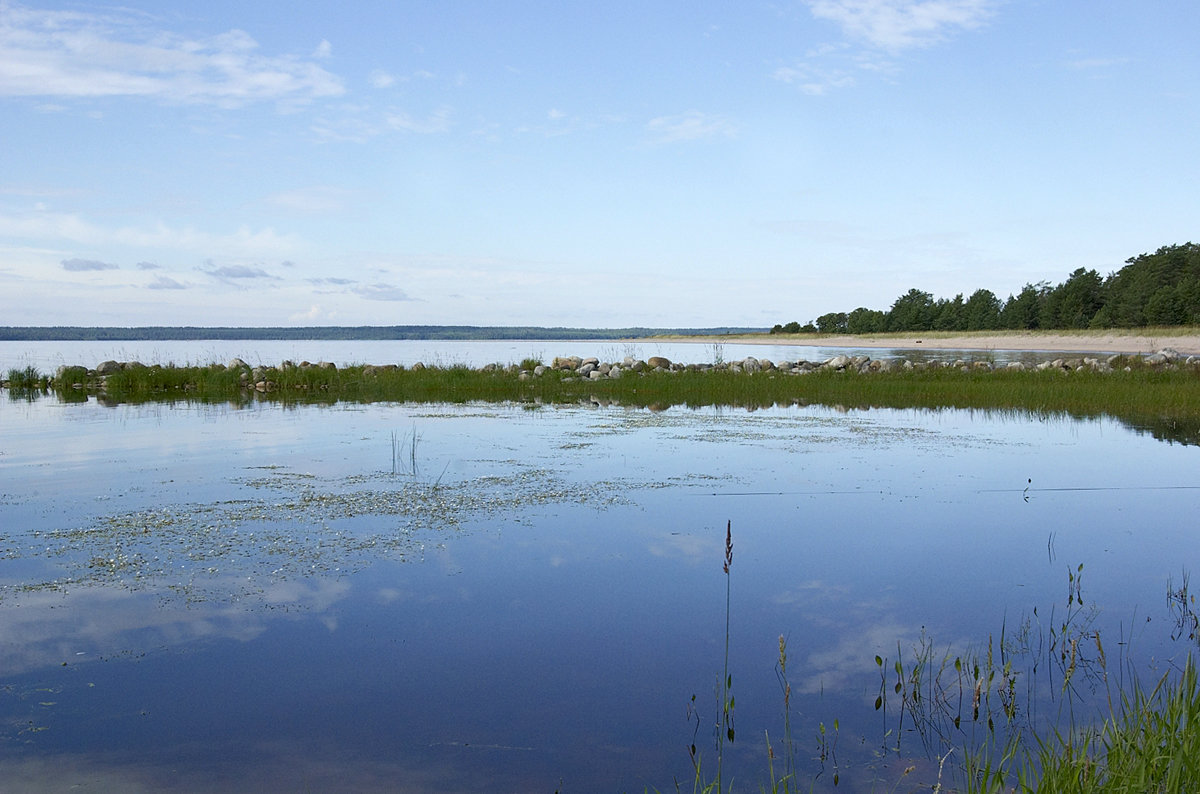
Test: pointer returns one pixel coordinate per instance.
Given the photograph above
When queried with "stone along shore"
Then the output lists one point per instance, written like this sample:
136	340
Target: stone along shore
263	378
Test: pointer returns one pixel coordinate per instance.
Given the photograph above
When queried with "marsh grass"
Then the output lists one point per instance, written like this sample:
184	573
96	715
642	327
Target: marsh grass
26	378
984	729
1164	402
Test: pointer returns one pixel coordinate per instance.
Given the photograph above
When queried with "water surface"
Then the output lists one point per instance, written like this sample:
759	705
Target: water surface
498	597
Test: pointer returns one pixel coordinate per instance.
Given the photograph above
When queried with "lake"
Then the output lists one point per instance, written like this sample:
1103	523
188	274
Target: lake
47	356
401	597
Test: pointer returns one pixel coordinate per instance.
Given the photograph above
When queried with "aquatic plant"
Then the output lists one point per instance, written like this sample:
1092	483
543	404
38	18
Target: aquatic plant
27	378
967	714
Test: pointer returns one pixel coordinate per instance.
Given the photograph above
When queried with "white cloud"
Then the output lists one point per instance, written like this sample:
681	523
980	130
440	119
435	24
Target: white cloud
310	200
438	121
690	126
237	272
313	314
323	50
66	54
382	292
63	227
895	25
813	80
79	265
381	79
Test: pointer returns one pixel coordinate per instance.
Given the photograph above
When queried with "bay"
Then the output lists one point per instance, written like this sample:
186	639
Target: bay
513	598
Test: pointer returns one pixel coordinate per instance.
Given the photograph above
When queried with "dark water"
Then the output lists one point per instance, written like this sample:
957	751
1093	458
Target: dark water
204	598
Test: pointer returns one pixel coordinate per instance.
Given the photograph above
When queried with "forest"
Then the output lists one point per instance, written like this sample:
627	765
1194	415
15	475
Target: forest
1160	289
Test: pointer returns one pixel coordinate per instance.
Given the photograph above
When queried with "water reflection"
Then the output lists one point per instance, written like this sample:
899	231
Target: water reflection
242	595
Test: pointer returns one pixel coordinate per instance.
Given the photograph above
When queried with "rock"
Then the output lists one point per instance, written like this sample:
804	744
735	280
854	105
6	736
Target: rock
750	364
654	362
587	368
639	366
837	362
1157	360
326	365
107	367
615	372
594	374
595	362
237	363
539	370
1016	366
417	367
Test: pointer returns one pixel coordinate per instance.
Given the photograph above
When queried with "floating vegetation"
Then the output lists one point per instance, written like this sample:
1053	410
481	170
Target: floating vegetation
308	526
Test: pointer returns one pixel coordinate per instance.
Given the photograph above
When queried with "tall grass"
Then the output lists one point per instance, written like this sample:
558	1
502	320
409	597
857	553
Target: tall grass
1164	402
27	378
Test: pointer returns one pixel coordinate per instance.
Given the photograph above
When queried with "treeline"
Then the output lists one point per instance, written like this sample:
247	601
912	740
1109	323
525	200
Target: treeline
384	332
1162	288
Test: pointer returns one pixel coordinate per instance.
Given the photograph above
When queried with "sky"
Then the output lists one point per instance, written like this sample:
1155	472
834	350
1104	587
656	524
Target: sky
649	163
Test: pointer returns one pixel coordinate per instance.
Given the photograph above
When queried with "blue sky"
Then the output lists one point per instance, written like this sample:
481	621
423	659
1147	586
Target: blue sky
602	164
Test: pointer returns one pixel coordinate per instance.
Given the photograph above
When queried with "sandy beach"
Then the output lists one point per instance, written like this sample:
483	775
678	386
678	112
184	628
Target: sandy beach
1066	342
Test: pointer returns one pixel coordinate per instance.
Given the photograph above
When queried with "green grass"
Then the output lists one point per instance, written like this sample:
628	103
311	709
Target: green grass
1165	402
27	378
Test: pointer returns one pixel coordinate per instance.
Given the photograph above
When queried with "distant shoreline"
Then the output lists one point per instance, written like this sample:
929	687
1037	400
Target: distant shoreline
1185	341
340	333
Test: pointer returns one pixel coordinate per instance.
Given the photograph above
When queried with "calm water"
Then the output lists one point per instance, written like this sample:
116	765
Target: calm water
47	356
481	597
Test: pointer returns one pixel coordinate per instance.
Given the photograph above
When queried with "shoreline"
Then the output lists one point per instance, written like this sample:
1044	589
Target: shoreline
1032	342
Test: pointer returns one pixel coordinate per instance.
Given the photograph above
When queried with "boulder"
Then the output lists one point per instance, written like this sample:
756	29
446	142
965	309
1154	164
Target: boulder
837	362
107	367
654	362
